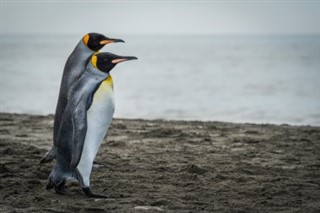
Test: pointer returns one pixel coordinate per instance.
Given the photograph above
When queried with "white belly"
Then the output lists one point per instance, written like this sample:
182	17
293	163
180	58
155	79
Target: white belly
99	117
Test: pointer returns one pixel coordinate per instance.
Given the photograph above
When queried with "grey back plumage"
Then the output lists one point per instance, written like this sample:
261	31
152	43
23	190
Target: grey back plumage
74	68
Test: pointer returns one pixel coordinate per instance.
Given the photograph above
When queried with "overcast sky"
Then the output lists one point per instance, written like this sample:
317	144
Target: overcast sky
155	17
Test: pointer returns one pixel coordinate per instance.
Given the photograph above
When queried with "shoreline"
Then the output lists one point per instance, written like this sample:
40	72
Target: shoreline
168	165
181	120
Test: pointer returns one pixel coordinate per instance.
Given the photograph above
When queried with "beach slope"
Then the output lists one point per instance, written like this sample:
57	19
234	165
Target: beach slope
170	166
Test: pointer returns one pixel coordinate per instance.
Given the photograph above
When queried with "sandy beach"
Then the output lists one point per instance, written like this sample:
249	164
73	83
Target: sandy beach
168	166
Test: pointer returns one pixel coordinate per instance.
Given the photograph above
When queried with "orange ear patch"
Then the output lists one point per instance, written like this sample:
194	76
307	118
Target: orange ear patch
86	39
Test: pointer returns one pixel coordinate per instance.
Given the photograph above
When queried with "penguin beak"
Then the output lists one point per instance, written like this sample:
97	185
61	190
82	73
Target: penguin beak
122	59
111	40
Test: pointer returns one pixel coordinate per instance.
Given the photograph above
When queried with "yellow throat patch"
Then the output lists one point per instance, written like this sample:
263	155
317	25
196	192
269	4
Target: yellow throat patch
108	82
106	87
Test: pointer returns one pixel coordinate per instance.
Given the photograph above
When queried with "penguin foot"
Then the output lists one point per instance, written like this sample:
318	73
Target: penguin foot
89	193
60	188
50	185
49	156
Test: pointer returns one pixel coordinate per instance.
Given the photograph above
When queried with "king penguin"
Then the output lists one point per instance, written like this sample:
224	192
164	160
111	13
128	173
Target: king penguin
85	123
74	67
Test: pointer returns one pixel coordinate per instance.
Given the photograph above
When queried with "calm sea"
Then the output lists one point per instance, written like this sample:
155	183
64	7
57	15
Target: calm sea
238	79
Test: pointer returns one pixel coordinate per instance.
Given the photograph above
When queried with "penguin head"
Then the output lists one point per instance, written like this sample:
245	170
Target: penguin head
96	41
105	61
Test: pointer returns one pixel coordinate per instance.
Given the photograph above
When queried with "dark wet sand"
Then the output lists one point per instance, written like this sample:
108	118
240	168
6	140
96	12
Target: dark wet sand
172	166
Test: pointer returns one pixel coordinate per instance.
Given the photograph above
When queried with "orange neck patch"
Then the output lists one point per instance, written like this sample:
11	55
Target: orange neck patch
94	61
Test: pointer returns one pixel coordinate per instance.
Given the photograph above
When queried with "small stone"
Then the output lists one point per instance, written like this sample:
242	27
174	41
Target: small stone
191	168
104	199
147	209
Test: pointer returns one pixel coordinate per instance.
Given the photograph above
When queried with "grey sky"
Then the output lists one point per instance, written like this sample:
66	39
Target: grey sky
154	17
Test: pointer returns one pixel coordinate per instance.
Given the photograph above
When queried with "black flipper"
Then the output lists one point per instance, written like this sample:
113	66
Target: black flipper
79	122
89	193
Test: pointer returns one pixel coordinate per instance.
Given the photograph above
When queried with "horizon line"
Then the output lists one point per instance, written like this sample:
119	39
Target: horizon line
167	34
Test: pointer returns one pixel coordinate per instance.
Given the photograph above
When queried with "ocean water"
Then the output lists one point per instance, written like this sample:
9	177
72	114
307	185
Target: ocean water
253	79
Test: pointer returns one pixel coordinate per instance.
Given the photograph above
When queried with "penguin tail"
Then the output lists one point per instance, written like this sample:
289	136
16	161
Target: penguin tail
49	156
